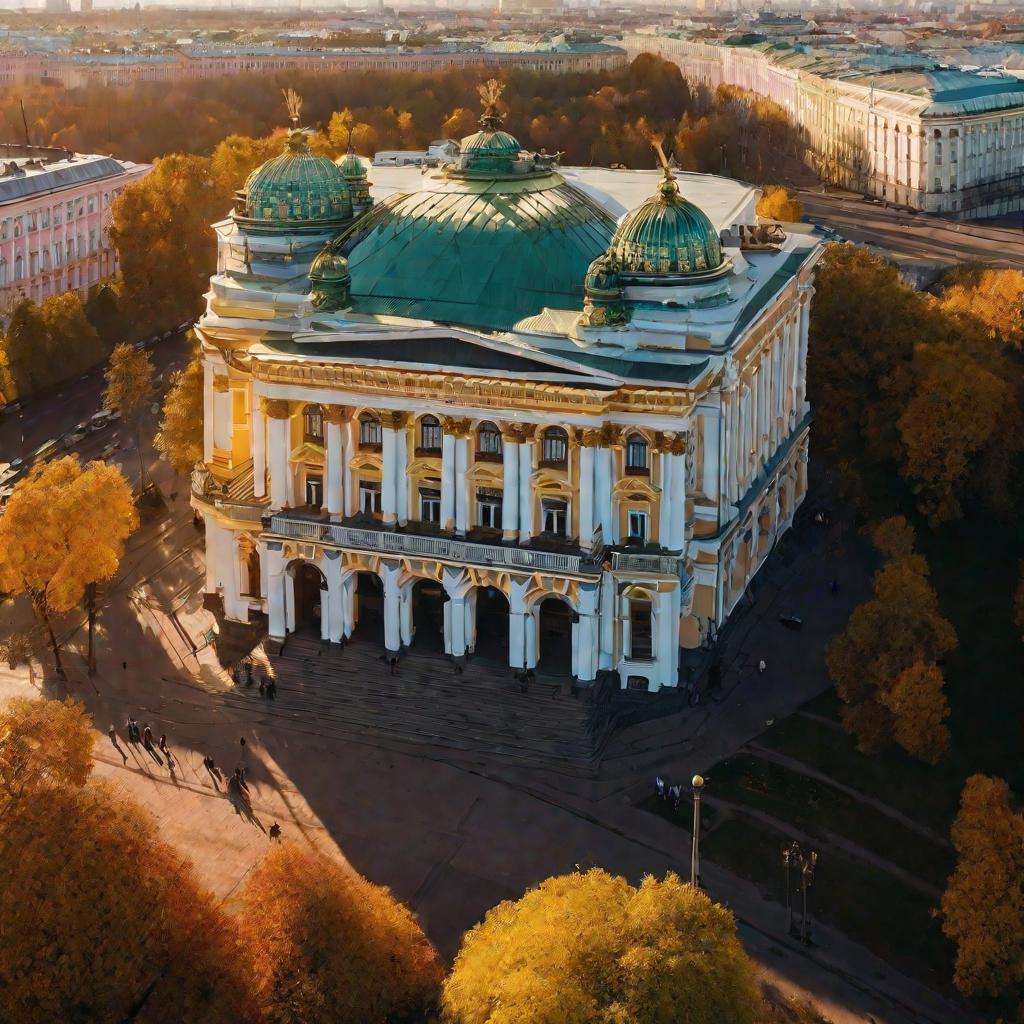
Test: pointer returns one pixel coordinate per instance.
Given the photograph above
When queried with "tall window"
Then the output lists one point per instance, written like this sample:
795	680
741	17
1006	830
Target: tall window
369	497
641	635
430	434
19	267
430	505
488	508
555	516
314	490
636	453
555	447
637	525
313	423
370	434
488	442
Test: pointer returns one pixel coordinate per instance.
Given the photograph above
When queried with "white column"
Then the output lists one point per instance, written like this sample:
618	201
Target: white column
457	585
585	649
677	504
278	462
607	630
805	321
405	629
401	475
333	457
712	424
348	604
509	489
258	443
447	481
275	590
210	529
289	600
521	643
461	485
666	610
525	491
586	498
603	483
389	573
222	415
388	494
348	447
665	500
793	368
208	416
470	604
334	612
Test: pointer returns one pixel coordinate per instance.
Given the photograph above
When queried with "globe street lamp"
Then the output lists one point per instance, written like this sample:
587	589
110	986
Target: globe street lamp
698	785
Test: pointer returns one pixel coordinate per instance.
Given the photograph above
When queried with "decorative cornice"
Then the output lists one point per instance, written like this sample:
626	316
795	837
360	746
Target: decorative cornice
395	420
337	413
457	426
590	438
276	408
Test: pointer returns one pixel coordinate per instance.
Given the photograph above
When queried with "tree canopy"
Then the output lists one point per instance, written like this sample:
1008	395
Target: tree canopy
325	945
589	948
180	437
778	203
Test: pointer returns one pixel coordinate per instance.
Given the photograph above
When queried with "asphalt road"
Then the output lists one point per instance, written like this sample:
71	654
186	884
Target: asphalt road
41	419
912	236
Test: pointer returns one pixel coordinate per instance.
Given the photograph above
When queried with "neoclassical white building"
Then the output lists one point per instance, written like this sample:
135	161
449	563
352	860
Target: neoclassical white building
901	128
551	416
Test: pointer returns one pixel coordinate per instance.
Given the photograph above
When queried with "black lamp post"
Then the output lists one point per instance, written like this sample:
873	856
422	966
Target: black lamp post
805	862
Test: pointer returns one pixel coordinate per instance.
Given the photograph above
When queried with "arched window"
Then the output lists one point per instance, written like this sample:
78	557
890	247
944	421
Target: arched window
430	434
313	423
19	267
555	447
370	434
488	442
636	454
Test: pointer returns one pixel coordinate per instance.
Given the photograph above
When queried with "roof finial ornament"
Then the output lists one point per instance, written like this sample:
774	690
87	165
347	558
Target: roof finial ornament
490	92
293	101
668	187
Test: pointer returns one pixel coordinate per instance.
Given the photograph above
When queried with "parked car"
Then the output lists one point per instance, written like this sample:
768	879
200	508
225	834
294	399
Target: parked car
72	438
98	420
46	450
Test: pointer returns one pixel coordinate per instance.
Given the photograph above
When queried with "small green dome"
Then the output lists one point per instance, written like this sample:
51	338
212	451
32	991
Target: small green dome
297	186
490	150
667	235
330	280
351	166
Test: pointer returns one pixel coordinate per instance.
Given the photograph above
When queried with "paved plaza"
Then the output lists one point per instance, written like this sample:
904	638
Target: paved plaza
449	829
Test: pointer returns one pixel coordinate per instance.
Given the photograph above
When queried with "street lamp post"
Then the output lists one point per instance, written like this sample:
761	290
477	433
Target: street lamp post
698	785
793	855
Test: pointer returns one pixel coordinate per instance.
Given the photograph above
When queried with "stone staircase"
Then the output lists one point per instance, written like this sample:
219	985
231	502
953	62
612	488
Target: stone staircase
478	716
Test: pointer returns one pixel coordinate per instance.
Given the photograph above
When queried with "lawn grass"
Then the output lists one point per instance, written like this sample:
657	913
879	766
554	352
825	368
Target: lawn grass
867	905
816	808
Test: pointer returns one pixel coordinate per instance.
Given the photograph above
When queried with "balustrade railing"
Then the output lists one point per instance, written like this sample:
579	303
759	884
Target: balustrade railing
629	562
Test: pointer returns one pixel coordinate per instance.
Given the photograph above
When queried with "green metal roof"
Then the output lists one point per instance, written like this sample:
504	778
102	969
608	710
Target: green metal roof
482	252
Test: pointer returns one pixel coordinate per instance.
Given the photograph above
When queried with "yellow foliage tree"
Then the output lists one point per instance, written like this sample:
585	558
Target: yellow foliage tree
326	945
129	390
63	529
237	157
103	922
983	905
180	437
592	949
462	121
994	297
43	744
887	636
778	203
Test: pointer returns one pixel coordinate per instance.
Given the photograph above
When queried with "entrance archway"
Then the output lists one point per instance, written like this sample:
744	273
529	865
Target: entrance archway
492	611
369	608
555	632
428	614
310	586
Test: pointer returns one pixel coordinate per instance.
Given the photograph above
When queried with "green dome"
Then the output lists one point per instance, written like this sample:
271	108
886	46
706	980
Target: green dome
351	166
490	150
667	235
330	279
297	186
481	252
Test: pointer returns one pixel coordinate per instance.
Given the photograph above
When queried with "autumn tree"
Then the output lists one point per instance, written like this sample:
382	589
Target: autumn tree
778	203
129	391
180	437
325	945
237	157
26	349
590	948
43	744
983	905
64	528
885	663
994	297
103	922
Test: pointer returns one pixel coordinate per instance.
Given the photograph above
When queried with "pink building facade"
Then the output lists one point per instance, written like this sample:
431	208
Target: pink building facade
55	212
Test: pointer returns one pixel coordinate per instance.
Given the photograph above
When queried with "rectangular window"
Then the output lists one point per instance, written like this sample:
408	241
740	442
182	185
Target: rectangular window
69	212
641	635
44	219
92	204
369	497
314	490
488	509
5	228
430	505
555	516
637	526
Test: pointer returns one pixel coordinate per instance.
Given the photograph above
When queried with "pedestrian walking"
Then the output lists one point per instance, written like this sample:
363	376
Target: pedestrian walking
112	733
271	689
130	727
393	663
659	787
241	742
263	687
163	743
240	776
147	736
762	666
275	831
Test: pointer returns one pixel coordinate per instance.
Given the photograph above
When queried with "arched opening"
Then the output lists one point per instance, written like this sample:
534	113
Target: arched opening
488	443
310	588
554	448
369	608
637	461
430	436
555	631
371	435
492	610
313	424
252	573
428	614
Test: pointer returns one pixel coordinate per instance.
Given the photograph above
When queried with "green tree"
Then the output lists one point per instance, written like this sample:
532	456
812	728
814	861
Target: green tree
983	905
325	945
180	437
104	311
64	528
25	349
592	949
129	391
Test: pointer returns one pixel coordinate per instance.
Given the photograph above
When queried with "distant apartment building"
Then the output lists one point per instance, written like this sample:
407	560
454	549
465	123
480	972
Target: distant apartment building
192	62
899	127
54	216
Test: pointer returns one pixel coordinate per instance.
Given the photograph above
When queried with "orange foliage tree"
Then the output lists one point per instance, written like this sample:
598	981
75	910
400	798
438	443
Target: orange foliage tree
325	945
983	905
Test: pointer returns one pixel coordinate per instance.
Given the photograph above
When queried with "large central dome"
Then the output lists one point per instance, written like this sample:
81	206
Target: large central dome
484	252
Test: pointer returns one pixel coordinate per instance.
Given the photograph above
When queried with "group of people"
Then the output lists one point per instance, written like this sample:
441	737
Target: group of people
669	794
142	738
244	676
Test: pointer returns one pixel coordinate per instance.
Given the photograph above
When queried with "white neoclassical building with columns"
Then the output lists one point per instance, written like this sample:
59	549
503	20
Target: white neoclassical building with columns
554	417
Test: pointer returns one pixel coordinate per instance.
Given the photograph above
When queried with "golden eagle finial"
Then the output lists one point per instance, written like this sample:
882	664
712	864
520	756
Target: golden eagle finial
293	101
490	92
668	186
